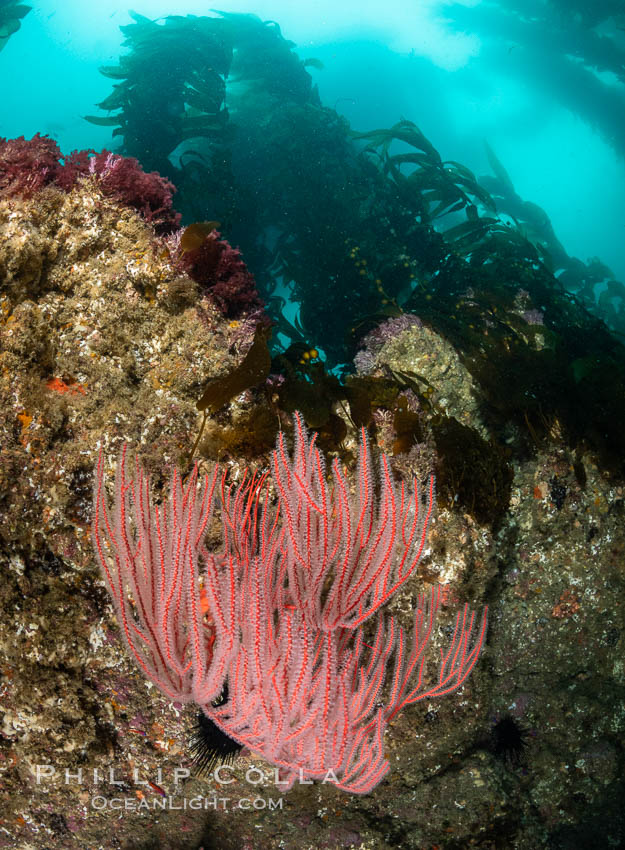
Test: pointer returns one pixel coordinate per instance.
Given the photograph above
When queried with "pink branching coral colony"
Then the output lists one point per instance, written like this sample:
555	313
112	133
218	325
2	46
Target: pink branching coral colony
279	613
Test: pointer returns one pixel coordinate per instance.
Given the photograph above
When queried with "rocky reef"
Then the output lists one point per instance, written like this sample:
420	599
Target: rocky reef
105	338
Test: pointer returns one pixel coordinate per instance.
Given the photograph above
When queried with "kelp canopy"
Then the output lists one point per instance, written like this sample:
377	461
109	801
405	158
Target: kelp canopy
572	50
11	14
360	227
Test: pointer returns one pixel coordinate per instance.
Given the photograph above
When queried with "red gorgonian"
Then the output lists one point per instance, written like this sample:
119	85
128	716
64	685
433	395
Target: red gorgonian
278	615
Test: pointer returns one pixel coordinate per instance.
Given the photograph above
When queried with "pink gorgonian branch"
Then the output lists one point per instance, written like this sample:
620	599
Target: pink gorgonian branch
346	554
278	612
161	577
317	703
299	696
410	682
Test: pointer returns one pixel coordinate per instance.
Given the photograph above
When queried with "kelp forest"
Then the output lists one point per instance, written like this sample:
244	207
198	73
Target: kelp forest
358	227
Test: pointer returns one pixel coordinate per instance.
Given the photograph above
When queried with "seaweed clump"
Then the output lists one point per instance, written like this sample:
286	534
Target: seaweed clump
218	268
28	165
474	470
